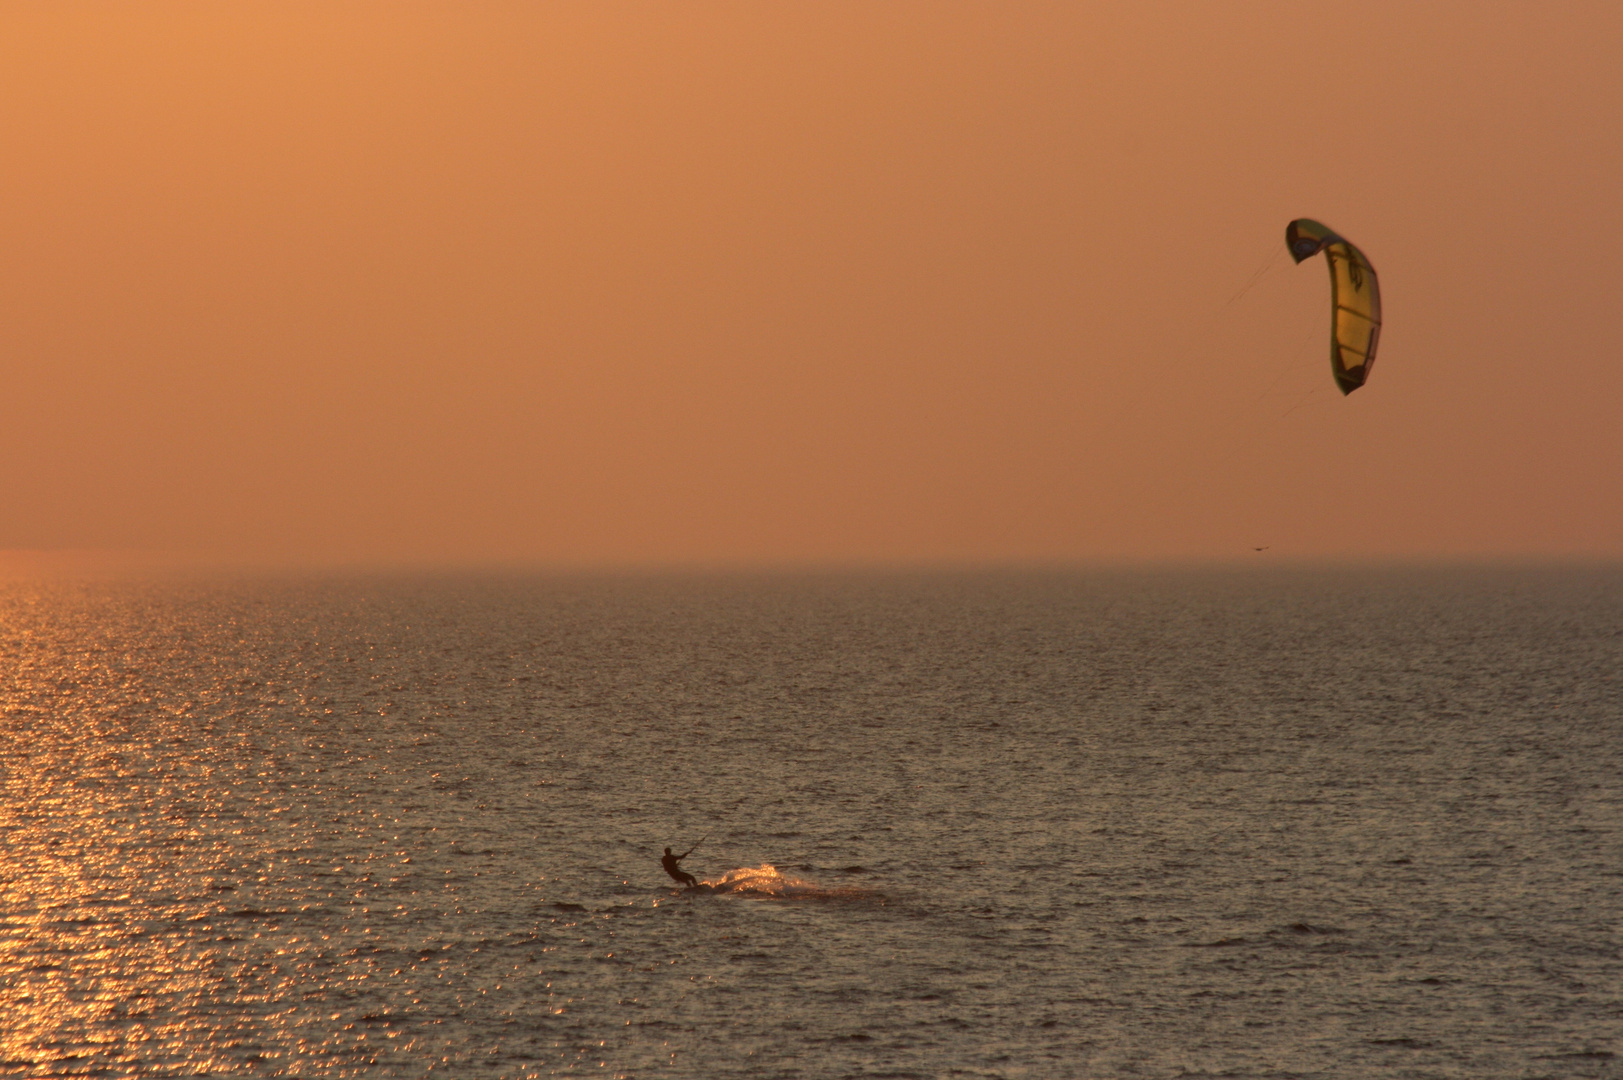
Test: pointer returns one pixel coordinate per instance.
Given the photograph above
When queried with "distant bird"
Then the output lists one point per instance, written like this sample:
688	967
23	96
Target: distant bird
1261	548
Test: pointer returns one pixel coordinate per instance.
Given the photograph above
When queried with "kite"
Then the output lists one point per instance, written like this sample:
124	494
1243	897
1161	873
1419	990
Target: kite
1355	299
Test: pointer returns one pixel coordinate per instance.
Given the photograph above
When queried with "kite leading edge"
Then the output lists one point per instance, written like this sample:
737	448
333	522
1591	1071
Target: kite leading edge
1355	299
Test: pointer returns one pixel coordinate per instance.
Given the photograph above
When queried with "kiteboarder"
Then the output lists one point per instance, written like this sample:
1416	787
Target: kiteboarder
672	866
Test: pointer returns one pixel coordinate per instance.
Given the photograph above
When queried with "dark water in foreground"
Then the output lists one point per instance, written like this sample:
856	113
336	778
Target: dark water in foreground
1147	825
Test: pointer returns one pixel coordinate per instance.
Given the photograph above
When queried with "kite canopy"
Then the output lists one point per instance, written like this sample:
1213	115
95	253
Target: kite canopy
1355	299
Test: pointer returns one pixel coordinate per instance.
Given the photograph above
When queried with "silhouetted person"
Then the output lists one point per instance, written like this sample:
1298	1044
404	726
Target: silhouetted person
672	865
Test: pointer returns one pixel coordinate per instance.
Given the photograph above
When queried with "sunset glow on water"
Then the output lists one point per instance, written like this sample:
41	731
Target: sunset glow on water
1294	824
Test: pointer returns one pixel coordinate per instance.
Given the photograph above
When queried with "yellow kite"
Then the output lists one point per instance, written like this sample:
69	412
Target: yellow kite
1355	299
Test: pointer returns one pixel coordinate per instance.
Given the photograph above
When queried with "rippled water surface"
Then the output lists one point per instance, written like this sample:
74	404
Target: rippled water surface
1305	824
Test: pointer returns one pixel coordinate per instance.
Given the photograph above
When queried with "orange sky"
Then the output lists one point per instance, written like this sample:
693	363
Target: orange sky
817	282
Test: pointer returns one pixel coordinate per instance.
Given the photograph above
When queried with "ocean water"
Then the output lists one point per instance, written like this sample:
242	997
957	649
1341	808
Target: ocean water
1355	823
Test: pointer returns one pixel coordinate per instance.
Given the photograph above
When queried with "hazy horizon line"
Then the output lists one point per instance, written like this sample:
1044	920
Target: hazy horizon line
36	563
